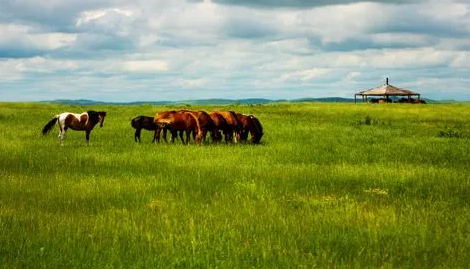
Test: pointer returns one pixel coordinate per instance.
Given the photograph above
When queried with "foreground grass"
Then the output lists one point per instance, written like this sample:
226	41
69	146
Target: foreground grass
332	185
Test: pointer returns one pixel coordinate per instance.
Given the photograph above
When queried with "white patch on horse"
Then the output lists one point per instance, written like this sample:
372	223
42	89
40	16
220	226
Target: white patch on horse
87	117
77	116
62	118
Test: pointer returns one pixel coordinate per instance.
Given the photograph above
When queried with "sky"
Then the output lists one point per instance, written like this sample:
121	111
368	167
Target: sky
169	50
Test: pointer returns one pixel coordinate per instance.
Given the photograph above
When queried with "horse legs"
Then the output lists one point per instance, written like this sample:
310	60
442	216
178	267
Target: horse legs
137	135
88	136
228	133
216	135
174	135
243	136
62	133
202	135
181	136
188	136
156	135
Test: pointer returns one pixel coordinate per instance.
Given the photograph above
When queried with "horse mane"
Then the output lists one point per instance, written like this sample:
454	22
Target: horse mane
258	127
257	123
234	115
199	131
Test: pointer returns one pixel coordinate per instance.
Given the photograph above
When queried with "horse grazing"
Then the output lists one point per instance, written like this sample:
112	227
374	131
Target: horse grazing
178	121
419	101
85	121
142	122
250	124
160	128
380	100
232	124
220	124
205	122
411	101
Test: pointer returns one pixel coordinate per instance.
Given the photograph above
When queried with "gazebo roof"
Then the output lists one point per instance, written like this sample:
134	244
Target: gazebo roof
387	90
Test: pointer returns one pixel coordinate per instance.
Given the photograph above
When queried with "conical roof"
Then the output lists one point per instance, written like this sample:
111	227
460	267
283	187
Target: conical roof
387	90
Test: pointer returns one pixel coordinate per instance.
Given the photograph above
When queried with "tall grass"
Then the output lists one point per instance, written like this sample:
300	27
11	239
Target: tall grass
331	185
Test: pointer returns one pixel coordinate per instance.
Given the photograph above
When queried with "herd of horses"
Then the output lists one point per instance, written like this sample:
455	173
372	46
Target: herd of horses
401	100
235	127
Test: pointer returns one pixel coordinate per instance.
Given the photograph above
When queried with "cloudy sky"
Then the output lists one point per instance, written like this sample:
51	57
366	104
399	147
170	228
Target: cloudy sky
119	50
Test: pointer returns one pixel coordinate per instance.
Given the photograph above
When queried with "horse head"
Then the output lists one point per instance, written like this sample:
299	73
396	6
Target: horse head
101	116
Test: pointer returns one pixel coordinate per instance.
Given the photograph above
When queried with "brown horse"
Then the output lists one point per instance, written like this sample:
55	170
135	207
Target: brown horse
411	101
178	121
250	124
380	100
142	122
159	129
220	124
205	122
419	101
259	130
232	124
85	121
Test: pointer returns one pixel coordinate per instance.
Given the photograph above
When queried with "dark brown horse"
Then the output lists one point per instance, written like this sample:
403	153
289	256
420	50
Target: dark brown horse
85	121
220	124
205	122
178	121
411	101
380	100
142	122
250	124
232	124
259	130
419	101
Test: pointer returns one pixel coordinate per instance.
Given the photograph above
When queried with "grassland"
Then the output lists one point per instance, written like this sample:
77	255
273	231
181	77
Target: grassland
332	185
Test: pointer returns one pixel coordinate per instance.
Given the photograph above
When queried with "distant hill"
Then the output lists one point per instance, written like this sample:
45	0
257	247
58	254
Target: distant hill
203	101
92	102
215	101
325	99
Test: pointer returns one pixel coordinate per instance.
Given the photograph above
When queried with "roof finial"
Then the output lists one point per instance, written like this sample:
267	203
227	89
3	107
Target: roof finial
386	81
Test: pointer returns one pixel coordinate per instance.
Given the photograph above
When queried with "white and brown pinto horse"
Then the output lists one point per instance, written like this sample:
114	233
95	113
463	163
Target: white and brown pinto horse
85	121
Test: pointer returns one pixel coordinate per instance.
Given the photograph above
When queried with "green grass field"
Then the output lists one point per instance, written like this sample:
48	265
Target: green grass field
331	185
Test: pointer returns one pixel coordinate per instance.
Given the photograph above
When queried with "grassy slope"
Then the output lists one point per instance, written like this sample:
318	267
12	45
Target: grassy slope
324	189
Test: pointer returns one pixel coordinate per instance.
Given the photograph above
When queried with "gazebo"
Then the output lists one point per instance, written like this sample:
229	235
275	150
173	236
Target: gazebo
385	91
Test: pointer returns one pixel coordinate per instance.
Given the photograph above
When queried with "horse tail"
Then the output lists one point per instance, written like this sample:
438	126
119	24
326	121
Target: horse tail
49	125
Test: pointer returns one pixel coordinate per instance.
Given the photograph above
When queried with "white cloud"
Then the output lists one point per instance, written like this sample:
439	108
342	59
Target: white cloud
446	10
402	58
93	15
145	66
352	75
15	35
334	24
406	39
38	65
462	60
306	75
192	83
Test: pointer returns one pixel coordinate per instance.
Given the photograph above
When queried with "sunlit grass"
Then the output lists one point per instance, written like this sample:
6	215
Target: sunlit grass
331	185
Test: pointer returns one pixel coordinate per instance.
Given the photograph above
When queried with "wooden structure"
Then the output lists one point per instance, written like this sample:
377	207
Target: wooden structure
385	91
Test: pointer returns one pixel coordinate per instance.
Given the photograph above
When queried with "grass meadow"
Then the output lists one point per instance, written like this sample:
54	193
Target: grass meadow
331	186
